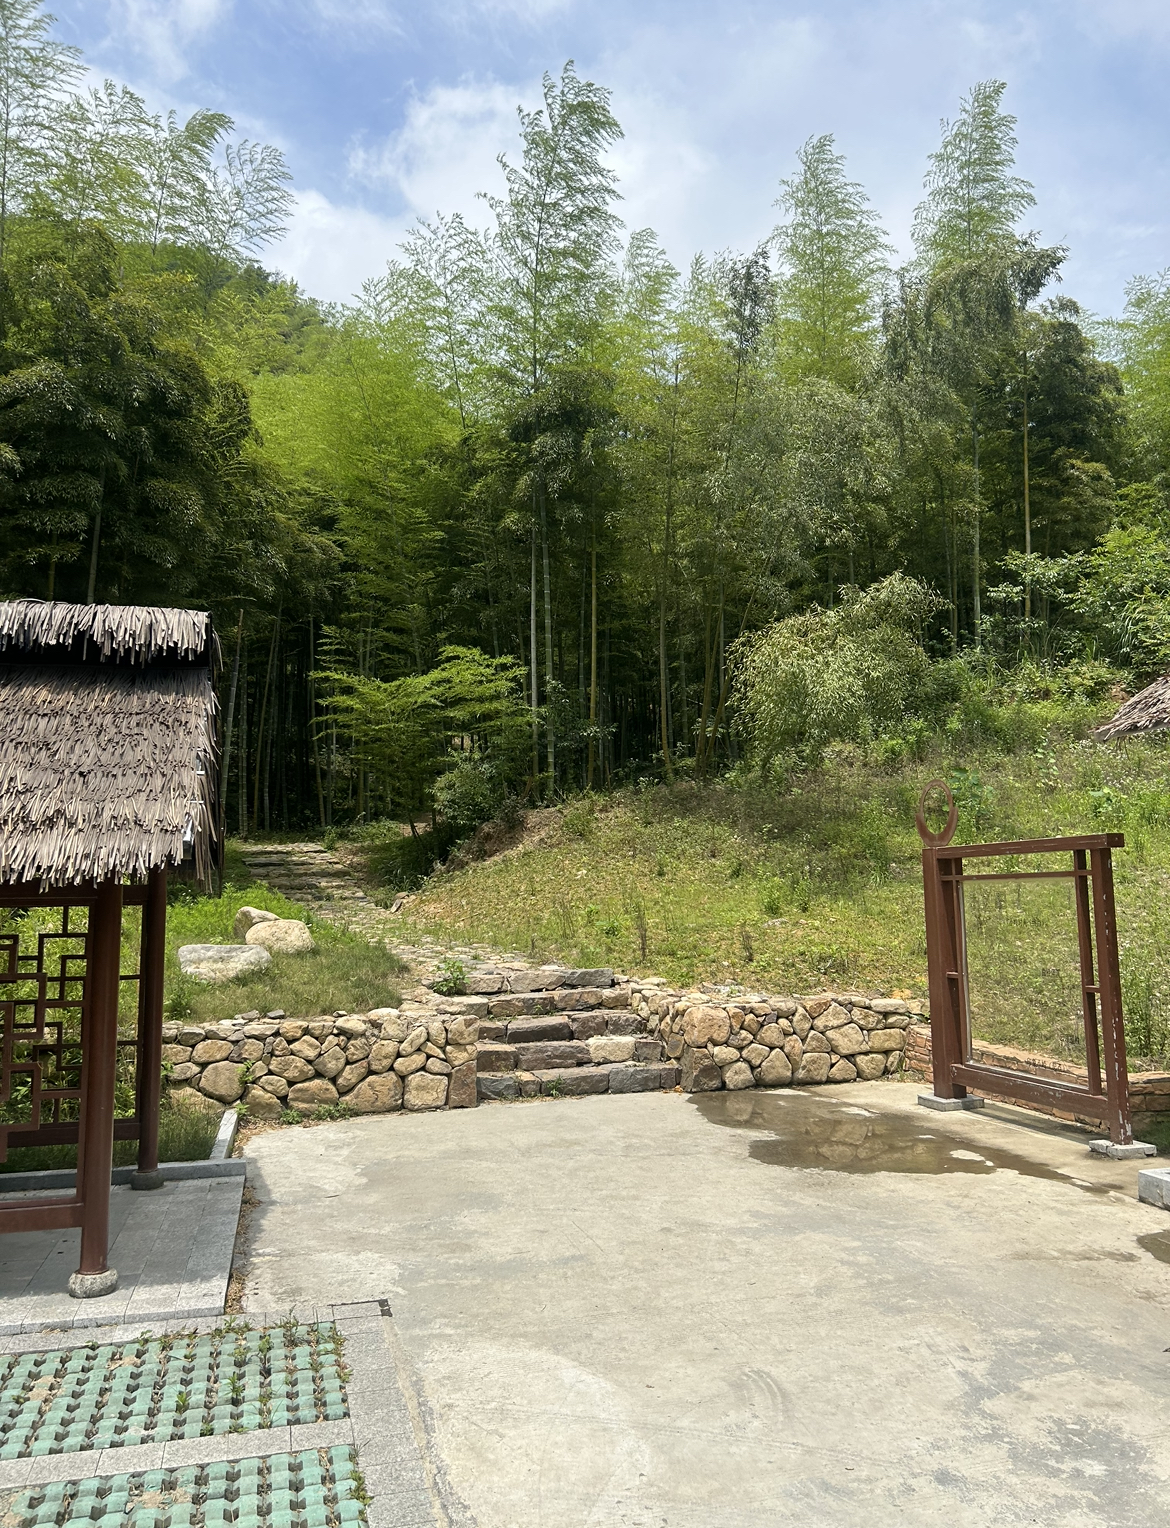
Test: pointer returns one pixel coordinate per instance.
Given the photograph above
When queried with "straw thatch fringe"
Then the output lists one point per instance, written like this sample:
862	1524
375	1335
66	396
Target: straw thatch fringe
138	633
1147	711
105	772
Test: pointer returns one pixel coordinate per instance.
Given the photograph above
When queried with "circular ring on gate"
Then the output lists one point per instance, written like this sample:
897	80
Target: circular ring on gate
937	840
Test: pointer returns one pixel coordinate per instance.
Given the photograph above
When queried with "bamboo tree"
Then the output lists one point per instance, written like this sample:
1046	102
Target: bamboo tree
36	73
971	207
833	260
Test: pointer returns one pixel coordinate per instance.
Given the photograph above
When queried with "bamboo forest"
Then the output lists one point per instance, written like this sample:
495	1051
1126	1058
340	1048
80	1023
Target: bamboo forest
542	509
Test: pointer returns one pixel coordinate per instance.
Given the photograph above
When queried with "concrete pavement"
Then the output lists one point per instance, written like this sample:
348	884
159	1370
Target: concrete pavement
746	1309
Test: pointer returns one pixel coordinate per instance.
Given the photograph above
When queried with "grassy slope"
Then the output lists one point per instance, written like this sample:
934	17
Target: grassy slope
822	885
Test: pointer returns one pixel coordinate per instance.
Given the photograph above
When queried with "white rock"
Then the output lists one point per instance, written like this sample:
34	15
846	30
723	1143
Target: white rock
222	962
248	917
611	1048
284	936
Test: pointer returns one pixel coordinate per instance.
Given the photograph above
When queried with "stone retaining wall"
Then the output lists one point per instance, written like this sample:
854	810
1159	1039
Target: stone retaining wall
411	1057
764	1041
1149	1092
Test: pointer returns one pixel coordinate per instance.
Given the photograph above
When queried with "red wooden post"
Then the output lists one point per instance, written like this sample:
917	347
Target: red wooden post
150	1001
946	1045
1089	988
96	1137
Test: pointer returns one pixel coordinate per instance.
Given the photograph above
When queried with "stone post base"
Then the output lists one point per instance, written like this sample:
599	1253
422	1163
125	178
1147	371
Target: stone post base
1154	1187
150	1180
88	1286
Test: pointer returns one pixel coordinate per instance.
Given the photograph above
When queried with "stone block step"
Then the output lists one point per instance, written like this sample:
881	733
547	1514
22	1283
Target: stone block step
578	1082
516	1005
551	1028
603	1047
553	1053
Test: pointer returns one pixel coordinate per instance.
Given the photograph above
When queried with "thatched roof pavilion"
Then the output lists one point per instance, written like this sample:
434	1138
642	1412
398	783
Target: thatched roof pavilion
108	780
107	752
1147	711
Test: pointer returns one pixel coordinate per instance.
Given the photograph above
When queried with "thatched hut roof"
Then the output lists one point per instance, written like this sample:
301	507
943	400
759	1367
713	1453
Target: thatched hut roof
135	634
1147	711
107	748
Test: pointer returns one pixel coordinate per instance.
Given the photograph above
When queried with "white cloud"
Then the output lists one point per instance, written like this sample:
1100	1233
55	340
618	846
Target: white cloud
446	149
162	31
1129	19
331	249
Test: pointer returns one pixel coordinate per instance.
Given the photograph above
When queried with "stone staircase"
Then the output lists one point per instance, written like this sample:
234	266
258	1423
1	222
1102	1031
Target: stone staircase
310	874
542	1032
561	1033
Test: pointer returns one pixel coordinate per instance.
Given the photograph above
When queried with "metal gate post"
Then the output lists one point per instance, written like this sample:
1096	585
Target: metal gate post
1109	982
99	1059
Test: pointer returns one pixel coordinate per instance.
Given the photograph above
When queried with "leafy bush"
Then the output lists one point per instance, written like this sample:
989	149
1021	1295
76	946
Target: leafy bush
472	791
852	673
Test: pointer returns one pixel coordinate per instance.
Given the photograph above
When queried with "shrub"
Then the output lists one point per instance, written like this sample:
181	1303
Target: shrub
850	674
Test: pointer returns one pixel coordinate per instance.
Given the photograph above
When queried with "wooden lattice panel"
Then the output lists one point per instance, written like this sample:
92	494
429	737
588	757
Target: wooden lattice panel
42	1009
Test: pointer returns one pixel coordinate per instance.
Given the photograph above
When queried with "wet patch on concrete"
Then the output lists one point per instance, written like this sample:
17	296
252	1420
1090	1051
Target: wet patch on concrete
823	1132
1157	1244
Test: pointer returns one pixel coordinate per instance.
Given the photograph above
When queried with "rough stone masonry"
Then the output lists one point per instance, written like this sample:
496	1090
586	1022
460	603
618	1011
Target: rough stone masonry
522	1031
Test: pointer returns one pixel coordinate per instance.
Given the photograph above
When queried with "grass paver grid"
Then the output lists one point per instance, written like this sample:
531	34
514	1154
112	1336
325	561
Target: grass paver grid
155	1390
320	1488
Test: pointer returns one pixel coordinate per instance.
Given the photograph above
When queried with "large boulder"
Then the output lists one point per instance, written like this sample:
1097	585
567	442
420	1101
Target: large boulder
248	917
222	962
283	936
223	1081
305	1097
376	1095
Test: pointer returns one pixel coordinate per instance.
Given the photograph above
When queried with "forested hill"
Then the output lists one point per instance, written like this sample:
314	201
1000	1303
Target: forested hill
533	503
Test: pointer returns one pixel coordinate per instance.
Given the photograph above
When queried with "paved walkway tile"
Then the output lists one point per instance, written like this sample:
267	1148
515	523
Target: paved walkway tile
122	1395
281	1422
319	1488
172	1249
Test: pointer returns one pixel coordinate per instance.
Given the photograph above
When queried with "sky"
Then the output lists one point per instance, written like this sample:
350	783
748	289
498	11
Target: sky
388	110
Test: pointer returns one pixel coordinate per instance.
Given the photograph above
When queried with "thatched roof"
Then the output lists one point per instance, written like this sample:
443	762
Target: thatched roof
1147	711
131	633
107	747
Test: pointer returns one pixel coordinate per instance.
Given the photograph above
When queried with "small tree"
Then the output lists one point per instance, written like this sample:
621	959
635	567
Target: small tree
851	673
465	721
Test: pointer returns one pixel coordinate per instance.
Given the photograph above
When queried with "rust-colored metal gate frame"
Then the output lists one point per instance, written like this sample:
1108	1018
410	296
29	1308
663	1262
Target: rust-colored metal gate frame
943	877
87	982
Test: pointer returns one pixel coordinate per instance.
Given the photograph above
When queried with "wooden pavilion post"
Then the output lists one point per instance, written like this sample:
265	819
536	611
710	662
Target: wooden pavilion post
100	1047
150	1003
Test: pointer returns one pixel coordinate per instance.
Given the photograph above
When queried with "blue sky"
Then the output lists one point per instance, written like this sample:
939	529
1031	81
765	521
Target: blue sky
387	111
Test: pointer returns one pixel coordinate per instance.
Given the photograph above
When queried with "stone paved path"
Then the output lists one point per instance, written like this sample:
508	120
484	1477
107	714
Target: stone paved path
330	889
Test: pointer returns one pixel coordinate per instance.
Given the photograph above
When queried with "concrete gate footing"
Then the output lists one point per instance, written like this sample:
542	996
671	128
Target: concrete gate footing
933	1101
1122	1153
